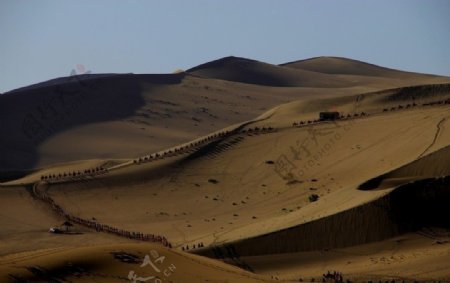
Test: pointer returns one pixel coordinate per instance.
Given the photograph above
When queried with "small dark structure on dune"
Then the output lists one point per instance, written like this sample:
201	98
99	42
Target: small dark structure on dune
329	116
60	230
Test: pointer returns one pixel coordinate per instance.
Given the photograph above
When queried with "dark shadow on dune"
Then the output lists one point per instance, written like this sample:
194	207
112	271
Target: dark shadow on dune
6	176
410	208
421	92
60	272
371	184
31	116
422	203
212	149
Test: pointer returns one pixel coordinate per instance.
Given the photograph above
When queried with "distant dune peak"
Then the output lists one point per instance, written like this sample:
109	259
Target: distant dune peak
334	65
221	62
323	71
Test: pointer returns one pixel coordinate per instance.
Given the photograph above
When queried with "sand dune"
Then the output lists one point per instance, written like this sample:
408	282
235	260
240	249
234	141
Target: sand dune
182	169
321	72
253	72
339	65
410	257
114	263
230	155
434	165
93	116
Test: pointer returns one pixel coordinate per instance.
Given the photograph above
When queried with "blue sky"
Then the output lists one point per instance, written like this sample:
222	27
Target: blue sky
41	40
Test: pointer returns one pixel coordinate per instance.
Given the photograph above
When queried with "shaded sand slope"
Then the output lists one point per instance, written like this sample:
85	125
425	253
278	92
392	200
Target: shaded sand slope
32	116
408	258
119	117
113	263
408	208
415	205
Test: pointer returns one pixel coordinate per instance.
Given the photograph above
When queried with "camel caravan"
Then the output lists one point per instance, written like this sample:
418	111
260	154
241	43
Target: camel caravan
66	176
258	130
181	149
74	174
333	115
194	246
411	105
94	224
328	116
193	145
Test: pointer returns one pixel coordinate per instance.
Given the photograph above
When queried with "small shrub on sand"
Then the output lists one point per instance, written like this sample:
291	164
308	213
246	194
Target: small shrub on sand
313	197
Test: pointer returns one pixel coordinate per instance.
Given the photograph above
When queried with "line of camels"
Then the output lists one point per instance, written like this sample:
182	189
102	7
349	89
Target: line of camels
363	114
193	145
94	224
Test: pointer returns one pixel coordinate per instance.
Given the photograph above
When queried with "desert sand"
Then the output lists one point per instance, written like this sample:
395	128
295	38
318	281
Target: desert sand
229	163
